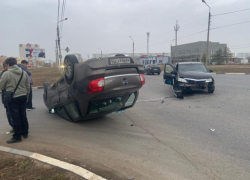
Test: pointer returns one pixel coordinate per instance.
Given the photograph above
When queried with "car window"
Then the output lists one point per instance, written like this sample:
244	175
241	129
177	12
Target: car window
73	111
168	68
130	100
154	65
106	105
192	67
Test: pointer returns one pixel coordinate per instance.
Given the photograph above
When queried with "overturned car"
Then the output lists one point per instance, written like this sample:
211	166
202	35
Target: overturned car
95	87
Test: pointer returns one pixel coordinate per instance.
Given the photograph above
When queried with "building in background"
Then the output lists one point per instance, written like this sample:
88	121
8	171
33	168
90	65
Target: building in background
153	58
194	51
243	55
2	59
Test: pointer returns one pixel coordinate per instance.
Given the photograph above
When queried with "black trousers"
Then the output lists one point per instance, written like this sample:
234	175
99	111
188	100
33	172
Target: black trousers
29	103
8	114
19	119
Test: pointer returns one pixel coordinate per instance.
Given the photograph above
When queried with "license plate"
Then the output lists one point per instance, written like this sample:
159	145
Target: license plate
120	61
200	83
156	69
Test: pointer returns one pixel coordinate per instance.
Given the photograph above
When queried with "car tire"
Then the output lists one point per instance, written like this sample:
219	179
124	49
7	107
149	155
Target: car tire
69	62
46	85
211	90
159	73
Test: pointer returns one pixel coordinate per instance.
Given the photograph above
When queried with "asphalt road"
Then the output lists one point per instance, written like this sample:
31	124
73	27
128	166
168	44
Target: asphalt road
168	140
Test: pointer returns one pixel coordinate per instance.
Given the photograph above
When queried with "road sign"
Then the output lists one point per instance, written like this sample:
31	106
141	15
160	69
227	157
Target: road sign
67	49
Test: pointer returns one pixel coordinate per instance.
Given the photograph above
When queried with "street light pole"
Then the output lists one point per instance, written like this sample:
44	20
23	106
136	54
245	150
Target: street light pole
208	31
147	44
58	41
133	46
171	51
101	52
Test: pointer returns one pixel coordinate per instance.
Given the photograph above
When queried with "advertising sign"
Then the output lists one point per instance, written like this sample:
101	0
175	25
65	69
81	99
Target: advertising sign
34	52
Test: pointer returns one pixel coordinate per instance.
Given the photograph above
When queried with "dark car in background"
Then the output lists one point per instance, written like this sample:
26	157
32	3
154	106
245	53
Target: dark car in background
152	69
188	76
95	88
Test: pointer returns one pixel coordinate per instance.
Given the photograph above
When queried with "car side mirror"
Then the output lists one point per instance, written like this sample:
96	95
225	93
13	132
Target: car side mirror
211	71
173	72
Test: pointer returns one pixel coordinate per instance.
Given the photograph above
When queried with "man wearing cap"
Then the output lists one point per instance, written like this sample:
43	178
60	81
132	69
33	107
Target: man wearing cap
23	66
5	68
16	83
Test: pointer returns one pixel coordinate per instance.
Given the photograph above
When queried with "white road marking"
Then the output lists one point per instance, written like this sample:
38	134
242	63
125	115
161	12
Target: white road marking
150	99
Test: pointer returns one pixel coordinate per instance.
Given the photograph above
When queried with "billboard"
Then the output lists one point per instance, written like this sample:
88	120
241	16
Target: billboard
34	52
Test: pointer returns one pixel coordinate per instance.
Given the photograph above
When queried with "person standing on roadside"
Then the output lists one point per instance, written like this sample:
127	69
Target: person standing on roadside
5	68
16	83
23	66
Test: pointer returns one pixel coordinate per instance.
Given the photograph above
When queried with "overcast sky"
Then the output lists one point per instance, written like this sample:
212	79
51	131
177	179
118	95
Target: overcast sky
107	24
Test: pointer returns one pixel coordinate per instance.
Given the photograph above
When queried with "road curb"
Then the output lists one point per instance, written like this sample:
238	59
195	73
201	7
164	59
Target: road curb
55	162
38	87
232	73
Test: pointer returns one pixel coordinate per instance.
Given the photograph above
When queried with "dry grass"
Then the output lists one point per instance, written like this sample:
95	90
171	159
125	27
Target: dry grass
14	167
230	68
45	74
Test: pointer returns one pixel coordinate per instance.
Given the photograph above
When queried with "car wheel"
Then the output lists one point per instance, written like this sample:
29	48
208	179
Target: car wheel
69	62
148	73
46	85
211	89
159	73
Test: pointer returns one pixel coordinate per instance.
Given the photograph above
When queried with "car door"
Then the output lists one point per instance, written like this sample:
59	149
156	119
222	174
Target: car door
170	74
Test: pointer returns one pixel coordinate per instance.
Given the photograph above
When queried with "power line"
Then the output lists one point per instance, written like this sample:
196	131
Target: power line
231	12
58	11
194	22
172	39
230	25
62	14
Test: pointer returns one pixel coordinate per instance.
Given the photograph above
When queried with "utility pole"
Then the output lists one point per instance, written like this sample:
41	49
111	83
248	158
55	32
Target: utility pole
133	46
58	41
56	53
176	29
171	55
101	52
147	44
59	46
208	31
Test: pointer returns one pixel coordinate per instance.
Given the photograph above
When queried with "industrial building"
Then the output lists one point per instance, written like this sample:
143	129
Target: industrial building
194	51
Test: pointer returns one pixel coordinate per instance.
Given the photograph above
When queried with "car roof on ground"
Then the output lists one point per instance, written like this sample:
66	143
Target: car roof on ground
189	63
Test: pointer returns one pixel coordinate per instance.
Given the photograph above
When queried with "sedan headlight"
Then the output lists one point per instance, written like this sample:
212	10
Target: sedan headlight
182	80
209	80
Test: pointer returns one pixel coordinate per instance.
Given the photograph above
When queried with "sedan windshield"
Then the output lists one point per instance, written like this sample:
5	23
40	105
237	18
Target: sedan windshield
192	67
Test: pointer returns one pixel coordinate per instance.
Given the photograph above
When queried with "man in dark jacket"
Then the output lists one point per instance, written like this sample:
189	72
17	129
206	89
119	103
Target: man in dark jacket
23	66
17	106
5	68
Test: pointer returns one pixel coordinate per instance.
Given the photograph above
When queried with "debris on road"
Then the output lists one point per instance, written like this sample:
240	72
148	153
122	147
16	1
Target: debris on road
162	101
132	125
119	112
212	130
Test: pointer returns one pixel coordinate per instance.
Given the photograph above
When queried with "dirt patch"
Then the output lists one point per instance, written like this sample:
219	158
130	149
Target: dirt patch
13	167
45	74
